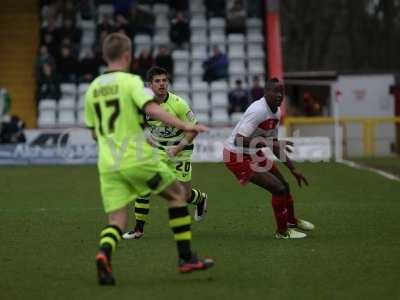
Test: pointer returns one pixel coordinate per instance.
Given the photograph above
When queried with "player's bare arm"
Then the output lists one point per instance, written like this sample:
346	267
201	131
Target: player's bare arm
187	140
157	112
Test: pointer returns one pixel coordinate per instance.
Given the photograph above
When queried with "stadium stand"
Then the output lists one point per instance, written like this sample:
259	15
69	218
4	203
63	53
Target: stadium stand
208	28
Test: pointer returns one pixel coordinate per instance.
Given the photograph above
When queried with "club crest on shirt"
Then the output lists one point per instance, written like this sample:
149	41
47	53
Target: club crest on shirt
190	115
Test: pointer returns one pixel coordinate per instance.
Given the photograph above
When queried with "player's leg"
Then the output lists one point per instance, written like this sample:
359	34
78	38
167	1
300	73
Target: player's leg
116	196
293	222
183	172
180	223
142	209
279	193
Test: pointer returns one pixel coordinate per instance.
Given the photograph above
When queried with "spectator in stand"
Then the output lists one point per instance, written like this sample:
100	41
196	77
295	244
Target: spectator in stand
122	25
179	31
236	21
51	44
67	65
44	57
143	63
238	99
141	20
49	86
123	6
88	66
68	30
180	5
256	91
49	28
106	25
86	9
215	8
68	10
165	61
215	67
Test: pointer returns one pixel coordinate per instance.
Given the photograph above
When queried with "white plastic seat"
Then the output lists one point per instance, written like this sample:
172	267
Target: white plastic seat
105	9
81	118
235	117
197	68
196	39
87	25
214	23
66	118
181	87
162	21
180	55
219	99
142	39
255	38
202	117
200	101
68	90
47	118
236	38
254	23
66	104
47	104
185	96
181	68
160	9
236	52
216	38
198	23
82	88
199	52
255	52
81	102
220	117
199	86
256	69
219	86
254	31
161	39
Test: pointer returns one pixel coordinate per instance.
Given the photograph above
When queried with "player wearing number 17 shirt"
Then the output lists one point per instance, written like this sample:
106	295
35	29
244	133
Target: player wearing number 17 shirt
245	157
115	105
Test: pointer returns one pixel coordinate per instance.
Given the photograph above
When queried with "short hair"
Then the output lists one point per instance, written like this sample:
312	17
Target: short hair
154	71
114	45
271	83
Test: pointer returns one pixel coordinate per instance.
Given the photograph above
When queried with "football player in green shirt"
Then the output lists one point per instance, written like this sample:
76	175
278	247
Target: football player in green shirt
175	145
115	105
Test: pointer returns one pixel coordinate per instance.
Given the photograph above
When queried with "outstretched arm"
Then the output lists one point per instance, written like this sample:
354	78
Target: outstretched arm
187	140
157	112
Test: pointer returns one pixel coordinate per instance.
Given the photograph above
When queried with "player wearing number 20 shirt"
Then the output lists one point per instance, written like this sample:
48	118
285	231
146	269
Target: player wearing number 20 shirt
245	157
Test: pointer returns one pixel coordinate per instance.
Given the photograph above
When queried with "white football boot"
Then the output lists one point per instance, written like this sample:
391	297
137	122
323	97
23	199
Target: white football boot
290	234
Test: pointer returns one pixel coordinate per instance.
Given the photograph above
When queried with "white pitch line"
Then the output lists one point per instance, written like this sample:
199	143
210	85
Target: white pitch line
43	209
354	165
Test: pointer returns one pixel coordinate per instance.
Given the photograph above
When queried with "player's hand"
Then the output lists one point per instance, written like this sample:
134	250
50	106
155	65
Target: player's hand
287	145
197	128
299	177
173	151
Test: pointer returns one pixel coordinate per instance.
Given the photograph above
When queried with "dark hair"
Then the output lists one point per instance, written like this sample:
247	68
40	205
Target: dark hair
154	71
114	45
271	83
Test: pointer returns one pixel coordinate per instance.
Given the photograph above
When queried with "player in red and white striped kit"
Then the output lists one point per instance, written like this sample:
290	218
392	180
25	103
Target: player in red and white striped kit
245	157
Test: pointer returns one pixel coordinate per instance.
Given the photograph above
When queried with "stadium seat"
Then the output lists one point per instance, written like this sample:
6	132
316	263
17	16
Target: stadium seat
185	96
202	117
235	38
87	25
236	52
81	118
197	68
255	38
88	38
180	55
199	52
242	77
161	40
105	9
47	119
235	117
199	86
200	101
142	39
66	104
219	86
216	23
237	67
219	99
81	102
255	52
256	69
216	38
198	23
68	90
161	22
159	8
254	31
181	87
66	118
47	104
82	88
254	23
181	67
199	39
220	117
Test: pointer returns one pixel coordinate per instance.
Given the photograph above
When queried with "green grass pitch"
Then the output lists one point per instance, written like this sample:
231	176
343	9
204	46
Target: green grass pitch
51	217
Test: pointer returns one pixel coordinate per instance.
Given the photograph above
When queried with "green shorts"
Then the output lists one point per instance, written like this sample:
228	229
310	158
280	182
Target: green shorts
121	187
182	169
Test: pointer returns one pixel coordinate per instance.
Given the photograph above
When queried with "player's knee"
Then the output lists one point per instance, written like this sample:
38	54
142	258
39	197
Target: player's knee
287	187
281	190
